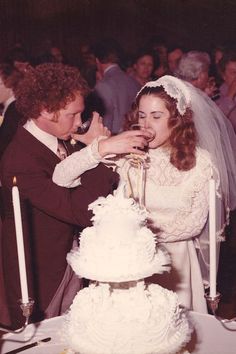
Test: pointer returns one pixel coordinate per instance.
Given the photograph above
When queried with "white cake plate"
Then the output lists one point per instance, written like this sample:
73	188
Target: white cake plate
209	337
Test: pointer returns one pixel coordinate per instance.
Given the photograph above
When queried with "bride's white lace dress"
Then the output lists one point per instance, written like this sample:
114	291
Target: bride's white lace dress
178	206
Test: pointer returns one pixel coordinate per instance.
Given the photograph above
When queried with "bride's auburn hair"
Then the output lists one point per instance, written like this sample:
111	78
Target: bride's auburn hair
183	137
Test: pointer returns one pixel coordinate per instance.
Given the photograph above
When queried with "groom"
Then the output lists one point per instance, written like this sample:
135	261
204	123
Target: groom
51	98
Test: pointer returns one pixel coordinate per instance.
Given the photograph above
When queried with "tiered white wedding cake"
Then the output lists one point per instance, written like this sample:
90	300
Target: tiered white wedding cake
118	313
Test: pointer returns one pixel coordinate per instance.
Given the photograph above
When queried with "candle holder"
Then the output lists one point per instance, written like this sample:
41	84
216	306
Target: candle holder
213	303
27	309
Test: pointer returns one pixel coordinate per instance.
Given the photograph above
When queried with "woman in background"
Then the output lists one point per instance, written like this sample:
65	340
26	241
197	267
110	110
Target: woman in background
142	68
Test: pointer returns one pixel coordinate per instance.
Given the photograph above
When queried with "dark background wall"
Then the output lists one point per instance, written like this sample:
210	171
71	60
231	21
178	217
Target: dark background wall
198	24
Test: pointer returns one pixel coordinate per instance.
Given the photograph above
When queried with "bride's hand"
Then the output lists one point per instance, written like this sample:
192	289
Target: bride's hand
130	141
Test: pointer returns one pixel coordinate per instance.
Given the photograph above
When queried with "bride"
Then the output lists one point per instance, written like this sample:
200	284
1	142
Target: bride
191	144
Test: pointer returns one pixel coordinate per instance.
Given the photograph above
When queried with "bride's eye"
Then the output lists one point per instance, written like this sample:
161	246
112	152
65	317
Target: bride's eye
141	115
156	115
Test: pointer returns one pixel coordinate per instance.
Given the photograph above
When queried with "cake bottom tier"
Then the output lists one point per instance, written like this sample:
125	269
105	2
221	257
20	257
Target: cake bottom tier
130	318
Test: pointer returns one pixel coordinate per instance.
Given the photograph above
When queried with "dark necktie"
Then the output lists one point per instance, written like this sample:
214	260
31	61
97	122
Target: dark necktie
61	150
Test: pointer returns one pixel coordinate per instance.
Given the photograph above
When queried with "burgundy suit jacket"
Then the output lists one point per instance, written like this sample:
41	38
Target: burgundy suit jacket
51	217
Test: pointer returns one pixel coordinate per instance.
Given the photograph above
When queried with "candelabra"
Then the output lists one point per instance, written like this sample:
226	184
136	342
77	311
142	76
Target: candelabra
213	303
27	309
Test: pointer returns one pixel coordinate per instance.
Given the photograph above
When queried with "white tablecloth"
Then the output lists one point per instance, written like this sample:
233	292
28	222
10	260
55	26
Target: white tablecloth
209	337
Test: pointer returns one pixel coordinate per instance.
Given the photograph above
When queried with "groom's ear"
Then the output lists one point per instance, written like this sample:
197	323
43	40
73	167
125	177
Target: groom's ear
48	115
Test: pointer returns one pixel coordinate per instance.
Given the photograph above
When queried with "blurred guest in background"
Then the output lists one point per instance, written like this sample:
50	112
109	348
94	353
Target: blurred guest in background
174	55
227	100
194	68
57	55
18	56
47	52
116	89
10	77
227	103
87	65
143	65
159	47
216	55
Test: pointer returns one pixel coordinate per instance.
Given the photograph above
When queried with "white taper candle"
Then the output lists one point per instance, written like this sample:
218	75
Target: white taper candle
212	236
20	242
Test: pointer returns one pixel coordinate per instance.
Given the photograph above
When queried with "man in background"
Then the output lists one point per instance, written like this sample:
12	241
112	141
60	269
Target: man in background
11	118
194	67
227	100
116	89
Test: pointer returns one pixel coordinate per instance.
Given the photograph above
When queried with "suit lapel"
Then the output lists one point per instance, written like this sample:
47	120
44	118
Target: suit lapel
34	147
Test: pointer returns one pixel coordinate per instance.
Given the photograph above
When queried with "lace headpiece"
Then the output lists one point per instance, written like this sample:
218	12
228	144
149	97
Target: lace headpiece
175	88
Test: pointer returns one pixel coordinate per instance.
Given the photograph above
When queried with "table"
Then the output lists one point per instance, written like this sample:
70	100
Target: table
209	337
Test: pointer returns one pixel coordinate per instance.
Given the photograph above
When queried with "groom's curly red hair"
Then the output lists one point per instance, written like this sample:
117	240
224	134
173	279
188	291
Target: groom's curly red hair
49	87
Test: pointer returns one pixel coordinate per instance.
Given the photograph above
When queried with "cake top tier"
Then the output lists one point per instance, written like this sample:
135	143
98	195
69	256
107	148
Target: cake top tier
119	247
117	207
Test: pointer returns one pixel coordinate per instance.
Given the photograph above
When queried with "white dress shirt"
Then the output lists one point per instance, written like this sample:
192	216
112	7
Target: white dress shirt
45	138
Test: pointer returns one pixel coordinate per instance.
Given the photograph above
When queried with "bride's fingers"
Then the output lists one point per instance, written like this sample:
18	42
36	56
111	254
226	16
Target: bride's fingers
100	119
107	131
95	117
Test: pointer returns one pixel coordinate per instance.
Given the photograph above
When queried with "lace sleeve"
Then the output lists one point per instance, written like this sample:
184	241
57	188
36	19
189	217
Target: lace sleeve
67	173
186	223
